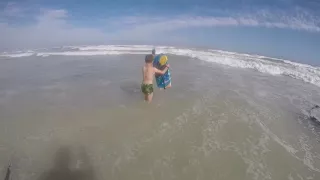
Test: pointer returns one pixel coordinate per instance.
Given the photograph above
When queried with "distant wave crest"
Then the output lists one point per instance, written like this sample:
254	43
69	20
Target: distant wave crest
262	64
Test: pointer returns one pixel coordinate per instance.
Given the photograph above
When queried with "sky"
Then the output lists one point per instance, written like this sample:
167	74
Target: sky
288	29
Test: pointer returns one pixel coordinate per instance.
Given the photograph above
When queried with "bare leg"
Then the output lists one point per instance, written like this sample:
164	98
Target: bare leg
148	97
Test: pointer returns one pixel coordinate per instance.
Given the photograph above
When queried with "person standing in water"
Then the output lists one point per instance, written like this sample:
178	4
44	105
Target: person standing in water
161	79
153	52
148	72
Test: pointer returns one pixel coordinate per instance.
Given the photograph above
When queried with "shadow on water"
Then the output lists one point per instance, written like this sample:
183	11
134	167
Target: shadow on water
131	91
131	88
62	169
8	173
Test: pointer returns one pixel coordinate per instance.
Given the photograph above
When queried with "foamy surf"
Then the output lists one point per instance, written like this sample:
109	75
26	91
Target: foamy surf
16	55
259	63
87	53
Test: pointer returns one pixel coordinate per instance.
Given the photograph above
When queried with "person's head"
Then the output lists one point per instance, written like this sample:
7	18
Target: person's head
149	58
153	51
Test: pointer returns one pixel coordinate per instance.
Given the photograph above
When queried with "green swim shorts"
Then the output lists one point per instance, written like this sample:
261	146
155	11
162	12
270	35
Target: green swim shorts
147	88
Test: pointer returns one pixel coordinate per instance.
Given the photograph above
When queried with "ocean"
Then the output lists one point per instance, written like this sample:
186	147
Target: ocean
77	112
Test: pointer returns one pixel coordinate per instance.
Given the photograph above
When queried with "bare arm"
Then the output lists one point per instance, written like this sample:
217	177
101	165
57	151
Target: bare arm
161	72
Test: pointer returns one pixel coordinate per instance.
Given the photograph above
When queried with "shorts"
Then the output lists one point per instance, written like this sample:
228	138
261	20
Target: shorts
147	88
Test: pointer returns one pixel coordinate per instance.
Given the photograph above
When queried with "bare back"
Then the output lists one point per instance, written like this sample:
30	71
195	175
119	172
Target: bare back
148	73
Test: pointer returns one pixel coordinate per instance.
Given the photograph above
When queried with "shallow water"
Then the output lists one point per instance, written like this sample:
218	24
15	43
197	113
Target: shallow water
84	117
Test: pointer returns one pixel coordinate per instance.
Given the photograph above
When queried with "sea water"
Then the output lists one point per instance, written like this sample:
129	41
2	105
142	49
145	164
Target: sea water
72	117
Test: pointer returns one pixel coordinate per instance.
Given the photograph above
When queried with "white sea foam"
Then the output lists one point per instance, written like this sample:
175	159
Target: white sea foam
87	53
18	54
273	66
115	48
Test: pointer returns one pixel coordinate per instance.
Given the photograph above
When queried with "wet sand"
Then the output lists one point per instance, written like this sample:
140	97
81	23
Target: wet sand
84	118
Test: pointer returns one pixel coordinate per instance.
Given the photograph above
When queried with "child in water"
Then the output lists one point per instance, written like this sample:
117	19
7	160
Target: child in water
148	72
161	79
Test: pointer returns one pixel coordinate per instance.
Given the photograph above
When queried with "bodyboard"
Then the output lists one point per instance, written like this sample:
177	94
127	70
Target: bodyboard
159	62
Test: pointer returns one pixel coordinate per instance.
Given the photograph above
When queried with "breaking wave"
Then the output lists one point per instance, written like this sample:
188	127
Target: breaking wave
262	64
15	55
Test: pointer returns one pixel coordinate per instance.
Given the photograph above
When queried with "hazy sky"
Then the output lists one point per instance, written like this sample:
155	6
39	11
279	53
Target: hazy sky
279	28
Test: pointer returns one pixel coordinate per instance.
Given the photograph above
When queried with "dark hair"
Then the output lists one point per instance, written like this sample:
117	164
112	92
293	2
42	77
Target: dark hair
149	58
